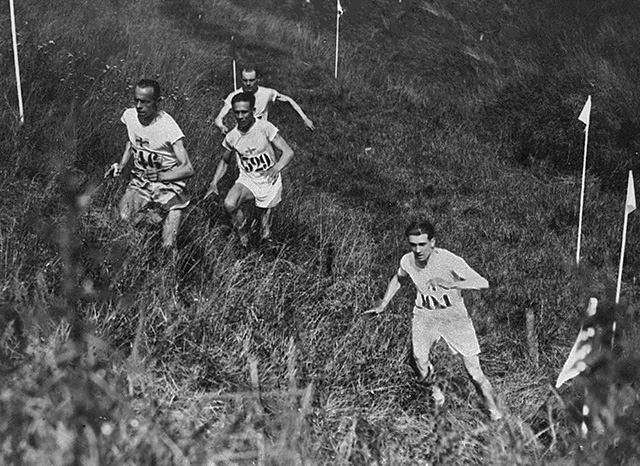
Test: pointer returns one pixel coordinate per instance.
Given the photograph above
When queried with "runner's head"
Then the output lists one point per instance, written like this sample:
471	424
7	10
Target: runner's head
243	106
146	97
420	227
249	80
421	237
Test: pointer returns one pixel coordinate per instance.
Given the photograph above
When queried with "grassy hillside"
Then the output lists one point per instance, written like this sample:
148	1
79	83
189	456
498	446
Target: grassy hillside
120	356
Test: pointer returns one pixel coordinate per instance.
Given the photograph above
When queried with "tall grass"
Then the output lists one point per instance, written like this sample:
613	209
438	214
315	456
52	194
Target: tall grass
222	356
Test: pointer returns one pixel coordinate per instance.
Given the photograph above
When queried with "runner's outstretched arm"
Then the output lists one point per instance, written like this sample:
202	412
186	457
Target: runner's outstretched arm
116	168
220	171
221	114
307	122
392	288
468	279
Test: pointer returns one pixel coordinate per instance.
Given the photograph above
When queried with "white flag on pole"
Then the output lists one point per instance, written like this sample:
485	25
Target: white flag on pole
16	62
585	114
631	195
629	206
581	349
339	12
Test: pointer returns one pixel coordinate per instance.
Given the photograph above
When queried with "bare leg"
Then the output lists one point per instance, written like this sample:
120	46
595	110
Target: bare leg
265	227
422	339
482	384
130	204
170	228
237	195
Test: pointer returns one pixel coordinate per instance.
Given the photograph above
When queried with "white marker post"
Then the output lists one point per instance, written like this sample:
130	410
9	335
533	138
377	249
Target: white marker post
339	12
585	117
629	207
15	60
233	62
235	77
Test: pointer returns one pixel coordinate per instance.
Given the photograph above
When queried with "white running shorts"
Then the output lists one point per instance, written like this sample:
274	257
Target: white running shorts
267	195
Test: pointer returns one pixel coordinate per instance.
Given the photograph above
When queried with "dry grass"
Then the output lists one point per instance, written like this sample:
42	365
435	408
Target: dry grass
222	356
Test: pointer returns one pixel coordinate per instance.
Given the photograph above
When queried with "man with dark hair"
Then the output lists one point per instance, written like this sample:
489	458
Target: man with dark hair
439	310
265	96
160	161
254	143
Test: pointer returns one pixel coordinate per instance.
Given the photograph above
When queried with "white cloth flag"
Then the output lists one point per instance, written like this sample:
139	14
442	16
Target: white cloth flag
585	114
631	195
581	349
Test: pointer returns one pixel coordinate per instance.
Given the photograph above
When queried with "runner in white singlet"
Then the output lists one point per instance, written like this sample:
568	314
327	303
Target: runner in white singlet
265	96
254	144
439	311
160	161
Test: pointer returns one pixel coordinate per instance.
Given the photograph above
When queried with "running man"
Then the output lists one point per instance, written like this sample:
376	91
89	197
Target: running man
265	96
439	310
254	143
160	161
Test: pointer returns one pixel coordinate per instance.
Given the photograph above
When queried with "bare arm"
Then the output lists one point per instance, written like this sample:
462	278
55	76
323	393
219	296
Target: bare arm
221	114
476	283
307	122
181	171
220	171
471	280
116	168
285	157
392	288
126	155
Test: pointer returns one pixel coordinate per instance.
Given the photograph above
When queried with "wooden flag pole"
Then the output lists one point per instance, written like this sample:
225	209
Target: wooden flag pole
233	62
624	240
582	189
335	70
235	77
627	210
15	60
630	206
585	117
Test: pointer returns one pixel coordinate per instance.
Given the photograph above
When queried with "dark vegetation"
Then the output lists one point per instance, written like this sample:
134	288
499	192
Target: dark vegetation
114	354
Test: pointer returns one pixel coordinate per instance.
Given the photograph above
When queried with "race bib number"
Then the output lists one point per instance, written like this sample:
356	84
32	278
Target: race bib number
147	159
256	163
432	302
